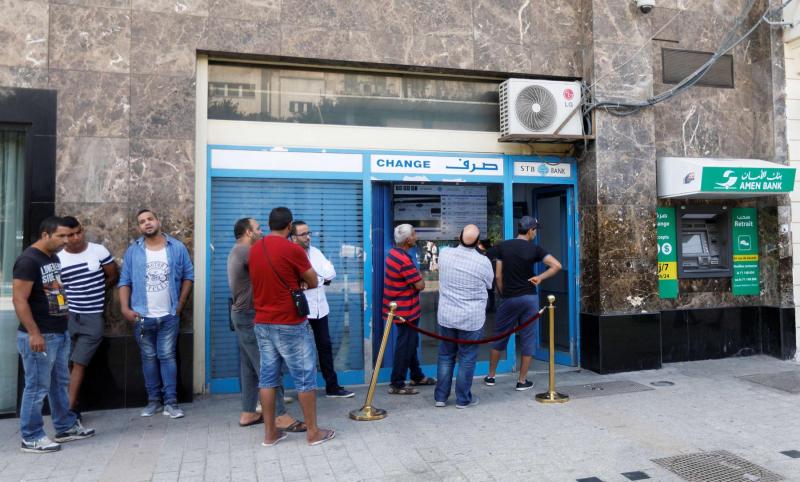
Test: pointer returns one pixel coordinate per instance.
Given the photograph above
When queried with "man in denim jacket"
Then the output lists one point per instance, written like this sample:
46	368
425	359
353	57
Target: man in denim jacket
154	285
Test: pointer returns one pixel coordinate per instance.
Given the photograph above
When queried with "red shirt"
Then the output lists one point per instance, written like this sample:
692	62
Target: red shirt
398	285
271	299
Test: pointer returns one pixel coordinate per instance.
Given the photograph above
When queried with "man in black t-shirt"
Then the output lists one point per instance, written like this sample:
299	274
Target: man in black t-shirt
43	342
517	284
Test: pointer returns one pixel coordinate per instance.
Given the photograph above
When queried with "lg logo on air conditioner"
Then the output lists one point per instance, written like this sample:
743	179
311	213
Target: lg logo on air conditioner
569	94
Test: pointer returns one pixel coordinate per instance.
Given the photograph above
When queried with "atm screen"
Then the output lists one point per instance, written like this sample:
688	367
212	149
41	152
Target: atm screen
438	212
694	244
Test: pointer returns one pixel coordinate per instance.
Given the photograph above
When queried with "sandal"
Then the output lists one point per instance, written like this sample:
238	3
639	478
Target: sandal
403	391
329	434
295	427
424	381
281	436
253	422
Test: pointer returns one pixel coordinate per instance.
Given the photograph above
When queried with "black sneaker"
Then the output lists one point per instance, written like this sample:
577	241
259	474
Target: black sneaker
526	385
340	393
42	446
77	432
488	381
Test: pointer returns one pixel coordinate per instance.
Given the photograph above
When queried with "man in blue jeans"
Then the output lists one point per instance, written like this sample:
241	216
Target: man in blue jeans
465	275
154	285
517	283
43	341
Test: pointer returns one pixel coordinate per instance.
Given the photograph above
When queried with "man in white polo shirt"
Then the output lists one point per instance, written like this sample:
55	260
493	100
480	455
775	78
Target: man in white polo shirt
87	271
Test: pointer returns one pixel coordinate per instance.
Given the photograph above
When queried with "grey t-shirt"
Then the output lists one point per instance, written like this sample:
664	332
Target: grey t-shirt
239	278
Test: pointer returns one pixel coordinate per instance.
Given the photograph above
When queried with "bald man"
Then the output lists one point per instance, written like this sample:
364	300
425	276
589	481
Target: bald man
465	275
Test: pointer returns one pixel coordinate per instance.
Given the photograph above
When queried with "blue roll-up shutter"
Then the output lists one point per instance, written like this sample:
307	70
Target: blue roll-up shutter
333	211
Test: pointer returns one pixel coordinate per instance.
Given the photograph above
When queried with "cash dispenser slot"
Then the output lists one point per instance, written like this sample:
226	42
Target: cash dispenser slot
704	248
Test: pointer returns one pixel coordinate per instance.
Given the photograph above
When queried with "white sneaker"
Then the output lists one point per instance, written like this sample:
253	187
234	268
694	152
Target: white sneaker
172	411
475	401
42	446
77	432
440	404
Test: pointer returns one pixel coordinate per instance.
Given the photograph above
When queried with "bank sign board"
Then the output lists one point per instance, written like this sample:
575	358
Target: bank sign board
703	178
667	253
757	180
744	236
442	165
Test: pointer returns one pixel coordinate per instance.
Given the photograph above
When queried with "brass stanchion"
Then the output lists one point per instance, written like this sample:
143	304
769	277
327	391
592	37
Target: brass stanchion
551	396
368	412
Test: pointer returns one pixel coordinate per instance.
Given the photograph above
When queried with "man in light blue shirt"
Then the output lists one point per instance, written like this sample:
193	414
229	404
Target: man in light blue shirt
155	282
465	275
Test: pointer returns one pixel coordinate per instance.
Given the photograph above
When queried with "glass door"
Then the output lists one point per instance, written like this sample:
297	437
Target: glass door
12	199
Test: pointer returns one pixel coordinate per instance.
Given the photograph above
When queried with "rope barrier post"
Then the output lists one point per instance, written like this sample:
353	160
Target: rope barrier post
551	396
368	412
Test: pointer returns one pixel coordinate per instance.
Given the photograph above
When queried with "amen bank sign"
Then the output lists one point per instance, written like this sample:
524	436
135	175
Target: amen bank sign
684	177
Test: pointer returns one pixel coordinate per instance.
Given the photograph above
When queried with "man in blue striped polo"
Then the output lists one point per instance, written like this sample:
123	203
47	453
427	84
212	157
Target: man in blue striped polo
87	271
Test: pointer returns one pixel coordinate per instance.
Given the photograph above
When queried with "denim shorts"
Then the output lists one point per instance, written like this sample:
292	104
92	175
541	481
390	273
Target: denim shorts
513	312
294	344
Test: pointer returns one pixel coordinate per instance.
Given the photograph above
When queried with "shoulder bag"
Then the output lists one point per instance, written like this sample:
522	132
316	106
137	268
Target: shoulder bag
298	297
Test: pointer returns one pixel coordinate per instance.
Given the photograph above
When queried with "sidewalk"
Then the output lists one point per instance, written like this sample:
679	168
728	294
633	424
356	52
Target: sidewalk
600	433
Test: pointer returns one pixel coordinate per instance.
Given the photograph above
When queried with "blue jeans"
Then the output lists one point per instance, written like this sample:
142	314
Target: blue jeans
46	374
405	355
292	345
467	354
157	338
250	363
514	312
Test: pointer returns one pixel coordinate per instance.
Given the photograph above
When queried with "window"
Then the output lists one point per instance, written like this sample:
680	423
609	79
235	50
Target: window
350	98
12	198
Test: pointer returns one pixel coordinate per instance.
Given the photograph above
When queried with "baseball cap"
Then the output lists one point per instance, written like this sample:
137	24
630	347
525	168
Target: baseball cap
527	223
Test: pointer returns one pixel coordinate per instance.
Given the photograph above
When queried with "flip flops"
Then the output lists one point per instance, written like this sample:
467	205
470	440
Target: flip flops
424	381
295	427
254	422
281	436
403	391
329	434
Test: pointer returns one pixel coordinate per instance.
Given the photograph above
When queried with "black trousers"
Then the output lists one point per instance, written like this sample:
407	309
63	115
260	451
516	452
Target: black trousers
405	356
322	338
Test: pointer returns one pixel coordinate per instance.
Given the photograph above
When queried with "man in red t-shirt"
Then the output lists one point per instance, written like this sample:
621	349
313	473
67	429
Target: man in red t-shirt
278	267
402	284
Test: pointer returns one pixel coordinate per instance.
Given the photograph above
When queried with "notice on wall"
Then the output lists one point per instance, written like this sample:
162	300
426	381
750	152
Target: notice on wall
667	253
744	227
439	212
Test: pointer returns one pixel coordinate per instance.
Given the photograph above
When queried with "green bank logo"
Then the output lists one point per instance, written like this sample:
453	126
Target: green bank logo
724	179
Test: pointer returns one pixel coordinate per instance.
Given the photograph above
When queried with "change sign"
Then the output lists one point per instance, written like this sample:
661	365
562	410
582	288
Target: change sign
667	254
745	252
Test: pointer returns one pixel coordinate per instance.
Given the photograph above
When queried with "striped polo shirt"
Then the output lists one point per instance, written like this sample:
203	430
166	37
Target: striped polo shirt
84	278
398	285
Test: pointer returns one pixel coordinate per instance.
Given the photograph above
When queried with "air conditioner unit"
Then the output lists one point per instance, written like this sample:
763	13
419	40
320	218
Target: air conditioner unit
531	108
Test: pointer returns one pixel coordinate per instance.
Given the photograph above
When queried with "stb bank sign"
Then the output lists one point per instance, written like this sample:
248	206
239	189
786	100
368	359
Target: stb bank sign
421	165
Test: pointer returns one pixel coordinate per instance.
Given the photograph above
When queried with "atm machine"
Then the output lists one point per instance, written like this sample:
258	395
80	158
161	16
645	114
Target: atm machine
704	250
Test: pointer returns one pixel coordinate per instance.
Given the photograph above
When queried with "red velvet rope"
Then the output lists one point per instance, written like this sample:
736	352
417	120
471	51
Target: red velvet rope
476	342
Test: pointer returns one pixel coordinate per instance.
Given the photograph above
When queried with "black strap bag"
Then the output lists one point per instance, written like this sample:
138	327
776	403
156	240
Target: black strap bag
298	297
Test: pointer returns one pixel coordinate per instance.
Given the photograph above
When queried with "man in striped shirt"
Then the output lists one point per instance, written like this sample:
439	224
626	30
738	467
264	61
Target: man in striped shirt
402	284
87	271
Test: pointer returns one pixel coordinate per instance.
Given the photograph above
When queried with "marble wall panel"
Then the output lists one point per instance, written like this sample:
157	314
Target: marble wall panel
389	16
105	223
162	171
92	170
620	76
547	59
364	46
628	285
666	24
24	77
165	43
630	133
121	4
162	107
501	57
587	178
92	103
616	21
84	38
448	51
241	36
185	7
23	33
557	22
626	231
442	17
626	177
503	22
268	11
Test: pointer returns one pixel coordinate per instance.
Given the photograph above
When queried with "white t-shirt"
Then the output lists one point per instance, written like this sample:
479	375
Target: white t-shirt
157	283
84	279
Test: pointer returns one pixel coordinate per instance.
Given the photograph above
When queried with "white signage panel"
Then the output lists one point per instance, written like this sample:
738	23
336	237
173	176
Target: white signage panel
542	169
286	161
460	166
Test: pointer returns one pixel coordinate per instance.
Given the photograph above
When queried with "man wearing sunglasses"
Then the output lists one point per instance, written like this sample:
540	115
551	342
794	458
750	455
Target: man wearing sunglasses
319	309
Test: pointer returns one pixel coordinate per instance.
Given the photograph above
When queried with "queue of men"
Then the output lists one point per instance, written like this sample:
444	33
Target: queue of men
278	309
